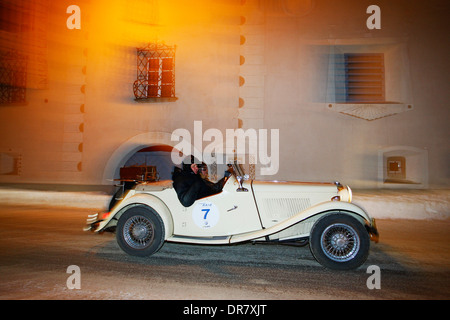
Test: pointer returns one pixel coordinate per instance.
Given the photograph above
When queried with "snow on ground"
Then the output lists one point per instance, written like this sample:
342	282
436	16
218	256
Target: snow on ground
405	204
380	204
89	200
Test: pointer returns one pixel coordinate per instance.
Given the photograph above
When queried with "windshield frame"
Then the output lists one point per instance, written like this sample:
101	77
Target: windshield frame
238	170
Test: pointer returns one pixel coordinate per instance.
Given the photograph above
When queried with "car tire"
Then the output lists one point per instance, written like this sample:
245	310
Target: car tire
140	231
339	241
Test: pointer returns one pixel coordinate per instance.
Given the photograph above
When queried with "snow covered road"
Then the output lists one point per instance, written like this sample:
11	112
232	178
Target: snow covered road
380	204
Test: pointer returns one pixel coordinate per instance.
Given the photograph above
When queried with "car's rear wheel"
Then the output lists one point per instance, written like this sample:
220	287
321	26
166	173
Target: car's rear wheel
140	231
339	241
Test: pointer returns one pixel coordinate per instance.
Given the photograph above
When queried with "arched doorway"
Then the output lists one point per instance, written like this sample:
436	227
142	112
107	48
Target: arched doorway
136	148
157	157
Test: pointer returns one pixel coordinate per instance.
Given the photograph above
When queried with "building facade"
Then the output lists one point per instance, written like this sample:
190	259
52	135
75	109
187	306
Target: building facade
356	90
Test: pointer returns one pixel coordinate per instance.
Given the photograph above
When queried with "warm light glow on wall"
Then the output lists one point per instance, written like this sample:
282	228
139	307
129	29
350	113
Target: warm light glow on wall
141	21
121	22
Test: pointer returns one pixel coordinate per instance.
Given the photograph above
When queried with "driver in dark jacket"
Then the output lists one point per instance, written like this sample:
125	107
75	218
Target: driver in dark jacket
190	185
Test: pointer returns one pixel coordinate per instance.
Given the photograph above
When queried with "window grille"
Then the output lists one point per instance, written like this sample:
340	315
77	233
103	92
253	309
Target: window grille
155	73
364	77
13	78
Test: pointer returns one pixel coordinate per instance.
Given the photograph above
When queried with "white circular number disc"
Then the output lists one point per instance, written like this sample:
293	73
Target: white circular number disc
205	214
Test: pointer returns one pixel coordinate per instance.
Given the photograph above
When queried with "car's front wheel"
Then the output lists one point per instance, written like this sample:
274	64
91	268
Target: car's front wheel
140	231
339	241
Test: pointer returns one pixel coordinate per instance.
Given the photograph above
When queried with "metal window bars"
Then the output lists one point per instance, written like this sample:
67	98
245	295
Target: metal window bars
155	73
13	78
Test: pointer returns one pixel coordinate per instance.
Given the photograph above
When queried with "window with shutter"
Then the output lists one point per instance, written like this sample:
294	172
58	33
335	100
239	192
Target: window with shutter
364	77
363	84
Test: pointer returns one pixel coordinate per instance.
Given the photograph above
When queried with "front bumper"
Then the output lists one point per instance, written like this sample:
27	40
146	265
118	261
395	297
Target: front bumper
92	222
373	231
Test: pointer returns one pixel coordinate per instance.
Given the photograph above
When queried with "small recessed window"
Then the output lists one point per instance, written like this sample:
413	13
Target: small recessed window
155	73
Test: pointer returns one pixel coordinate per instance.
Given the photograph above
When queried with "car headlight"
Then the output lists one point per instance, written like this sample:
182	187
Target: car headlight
345	194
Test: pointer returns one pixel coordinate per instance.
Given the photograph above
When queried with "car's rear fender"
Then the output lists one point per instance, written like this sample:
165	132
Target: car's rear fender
140	199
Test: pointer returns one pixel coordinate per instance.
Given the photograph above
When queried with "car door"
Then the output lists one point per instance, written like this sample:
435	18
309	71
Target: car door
227	213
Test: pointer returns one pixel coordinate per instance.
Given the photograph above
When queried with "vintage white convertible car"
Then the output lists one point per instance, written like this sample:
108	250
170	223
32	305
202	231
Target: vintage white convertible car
339	232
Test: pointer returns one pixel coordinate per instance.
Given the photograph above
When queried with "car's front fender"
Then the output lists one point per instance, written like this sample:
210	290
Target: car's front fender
324	207
343	206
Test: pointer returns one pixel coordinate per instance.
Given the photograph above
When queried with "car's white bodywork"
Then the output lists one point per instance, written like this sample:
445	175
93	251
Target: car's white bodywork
255	210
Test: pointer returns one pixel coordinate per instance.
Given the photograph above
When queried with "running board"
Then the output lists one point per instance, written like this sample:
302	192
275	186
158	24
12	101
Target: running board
200	240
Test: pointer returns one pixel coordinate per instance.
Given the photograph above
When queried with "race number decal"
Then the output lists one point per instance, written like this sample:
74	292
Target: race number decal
205	215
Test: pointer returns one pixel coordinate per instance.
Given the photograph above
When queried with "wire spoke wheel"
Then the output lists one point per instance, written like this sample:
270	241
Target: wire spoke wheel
340	242
138	232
